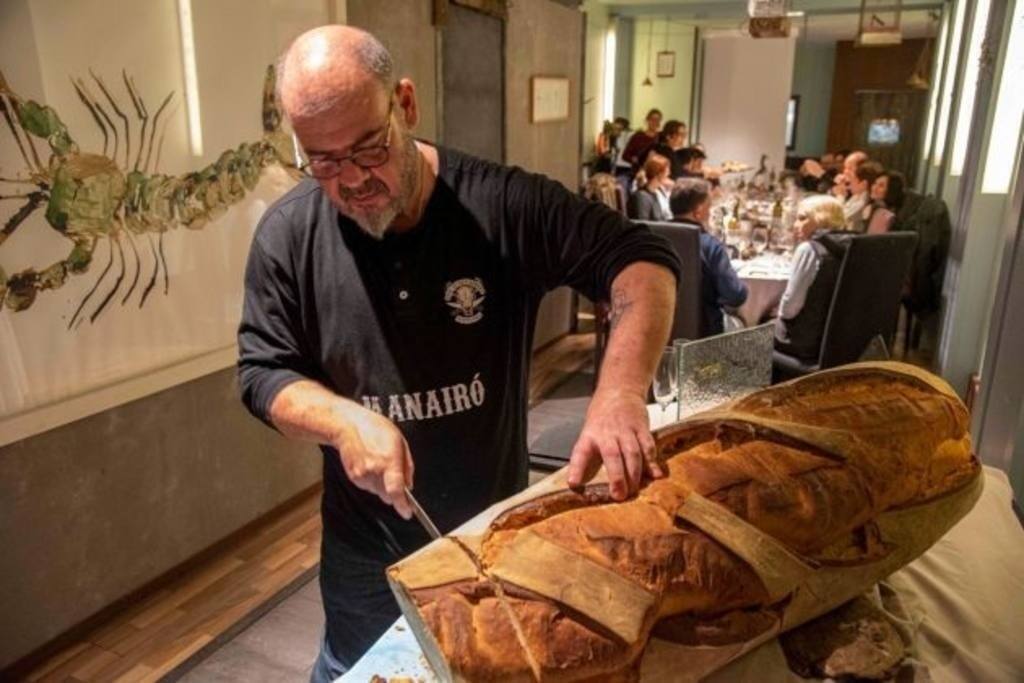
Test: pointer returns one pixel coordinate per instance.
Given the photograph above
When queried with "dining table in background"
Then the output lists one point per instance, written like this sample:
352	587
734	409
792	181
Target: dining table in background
765	276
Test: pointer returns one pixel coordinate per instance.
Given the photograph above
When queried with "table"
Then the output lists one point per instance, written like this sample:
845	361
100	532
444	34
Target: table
766	277
966	597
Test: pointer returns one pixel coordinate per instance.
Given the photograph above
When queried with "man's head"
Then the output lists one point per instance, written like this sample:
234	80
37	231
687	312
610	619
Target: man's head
336	86
851	161
674	134
692	159
864	176
691	199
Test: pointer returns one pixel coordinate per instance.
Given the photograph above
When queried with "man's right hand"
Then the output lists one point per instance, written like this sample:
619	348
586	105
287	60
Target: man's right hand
373	452
839	186
376	457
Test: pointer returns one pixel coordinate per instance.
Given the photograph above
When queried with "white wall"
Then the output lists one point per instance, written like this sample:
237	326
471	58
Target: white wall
671	95
746	87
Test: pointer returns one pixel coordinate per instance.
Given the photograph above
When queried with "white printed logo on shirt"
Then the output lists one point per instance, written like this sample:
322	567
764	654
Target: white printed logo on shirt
466	297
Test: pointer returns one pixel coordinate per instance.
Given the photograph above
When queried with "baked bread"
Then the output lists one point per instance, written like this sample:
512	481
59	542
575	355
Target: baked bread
776	508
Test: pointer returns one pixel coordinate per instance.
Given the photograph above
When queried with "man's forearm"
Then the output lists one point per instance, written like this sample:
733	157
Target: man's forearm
309	411
372	450
642	308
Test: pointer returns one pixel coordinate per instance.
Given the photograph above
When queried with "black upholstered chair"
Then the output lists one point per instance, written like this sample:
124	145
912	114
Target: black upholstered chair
552	447
685	240
865	304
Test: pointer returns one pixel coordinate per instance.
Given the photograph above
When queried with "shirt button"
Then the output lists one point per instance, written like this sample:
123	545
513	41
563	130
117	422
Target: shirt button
403	295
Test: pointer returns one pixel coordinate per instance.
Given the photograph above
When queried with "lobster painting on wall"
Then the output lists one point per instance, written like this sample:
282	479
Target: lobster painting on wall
116	198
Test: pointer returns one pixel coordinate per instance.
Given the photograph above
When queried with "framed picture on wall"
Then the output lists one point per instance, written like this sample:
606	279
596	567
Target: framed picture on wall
549	99
666	64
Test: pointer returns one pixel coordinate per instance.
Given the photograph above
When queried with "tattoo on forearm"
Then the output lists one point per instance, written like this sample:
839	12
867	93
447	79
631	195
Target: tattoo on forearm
621	303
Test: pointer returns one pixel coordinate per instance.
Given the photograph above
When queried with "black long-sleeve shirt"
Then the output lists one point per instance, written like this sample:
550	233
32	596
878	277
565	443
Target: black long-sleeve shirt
431	327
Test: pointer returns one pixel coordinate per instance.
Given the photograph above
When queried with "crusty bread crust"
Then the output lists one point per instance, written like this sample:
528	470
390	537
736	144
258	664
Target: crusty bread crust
810	464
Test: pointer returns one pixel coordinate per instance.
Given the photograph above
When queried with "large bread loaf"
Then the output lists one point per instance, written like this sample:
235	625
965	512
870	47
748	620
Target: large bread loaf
775	509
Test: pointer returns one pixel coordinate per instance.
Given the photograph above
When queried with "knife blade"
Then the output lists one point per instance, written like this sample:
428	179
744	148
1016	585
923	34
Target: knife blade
421	515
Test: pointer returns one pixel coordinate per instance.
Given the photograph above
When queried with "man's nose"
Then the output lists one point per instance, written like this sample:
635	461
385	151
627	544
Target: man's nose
352	176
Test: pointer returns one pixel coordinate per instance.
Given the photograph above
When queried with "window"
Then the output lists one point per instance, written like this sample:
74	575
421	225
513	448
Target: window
965	112
1002	146
947	83
792	114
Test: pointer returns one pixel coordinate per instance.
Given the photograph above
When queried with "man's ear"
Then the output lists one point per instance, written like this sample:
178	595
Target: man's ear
409	112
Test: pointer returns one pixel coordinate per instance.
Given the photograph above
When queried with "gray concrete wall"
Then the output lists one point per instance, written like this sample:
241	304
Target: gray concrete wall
95	509
406	29
544	38
473	120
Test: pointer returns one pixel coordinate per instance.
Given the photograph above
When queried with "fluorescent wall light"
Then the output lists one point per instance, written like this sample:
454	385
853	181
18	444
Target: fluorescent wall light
947	81
933	104
188	63
608	89
965	111
1006	125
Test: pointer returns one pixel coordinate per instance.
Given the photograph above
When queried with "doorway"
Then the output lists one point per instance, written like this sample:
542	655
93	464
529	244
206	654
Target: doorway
887	125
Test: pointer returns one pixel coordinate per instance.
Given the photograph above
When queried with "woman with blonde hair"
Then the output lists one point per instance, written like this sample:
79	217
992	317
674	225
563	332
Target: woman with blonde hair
650	201
820	229
601	187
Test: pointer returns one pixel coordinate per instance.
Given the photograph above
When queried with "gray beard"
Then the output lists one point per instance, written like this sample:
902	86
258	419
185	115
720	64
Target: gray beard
376	224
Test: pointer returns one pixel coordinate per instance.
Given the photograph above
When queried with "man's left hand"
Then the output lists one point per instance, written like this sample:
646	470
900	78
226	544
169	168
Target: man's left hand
617	434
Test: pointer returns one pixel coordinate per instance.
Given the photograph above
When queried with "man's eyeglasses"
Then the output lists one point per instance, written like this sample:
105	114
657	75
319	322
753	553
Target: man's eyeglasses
325	167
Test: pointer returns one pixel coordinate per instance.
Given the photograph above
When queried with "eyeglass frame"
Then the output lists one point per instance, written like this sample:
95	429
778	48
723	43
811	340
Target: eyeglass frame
384	147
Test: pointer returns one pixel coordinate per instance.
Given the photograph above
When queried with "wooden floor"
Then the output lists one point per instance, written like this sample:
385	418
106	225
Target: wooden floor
556	362
190	616
161	631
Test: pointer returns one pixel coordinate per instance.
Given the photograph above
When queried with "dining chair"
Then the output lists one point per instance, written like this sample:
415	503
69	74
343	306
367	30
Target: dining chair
864	305
685	240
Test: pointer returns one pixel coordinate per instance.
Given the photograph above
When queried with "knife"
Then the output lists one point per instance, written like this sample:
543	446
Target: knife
421	515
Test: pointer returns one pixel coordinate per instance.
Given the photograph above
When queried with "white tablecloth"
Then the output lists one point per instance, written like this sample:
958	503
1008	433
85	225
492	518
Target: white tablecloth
765	276
966	592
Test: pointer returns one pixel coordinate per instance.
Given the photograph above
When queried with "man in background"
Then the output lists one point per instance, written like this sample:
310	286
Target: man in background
720	285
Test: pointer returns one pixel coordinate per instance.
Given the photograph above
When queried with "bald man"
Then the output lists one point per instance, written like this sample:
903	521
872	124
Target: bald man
390	303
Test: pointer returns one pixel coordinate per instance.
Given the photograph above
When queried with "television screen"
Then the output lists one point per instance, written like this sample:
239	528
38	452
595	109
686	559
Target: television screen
884	132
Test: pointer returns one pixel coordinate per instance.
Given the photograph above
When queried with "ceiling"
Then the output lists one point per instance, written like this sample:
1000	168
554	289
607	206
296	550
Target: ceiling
707	9
825	21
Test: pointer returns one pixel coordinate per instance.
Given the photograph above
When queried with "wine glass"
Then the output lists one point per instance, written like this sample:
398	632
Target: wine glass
759	238
666	379
776	239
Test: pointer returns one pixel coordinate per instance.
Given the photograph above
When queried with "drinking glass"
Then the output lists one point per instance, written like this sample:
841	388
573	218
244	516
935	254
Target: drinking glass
732	239
759	238
666	379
